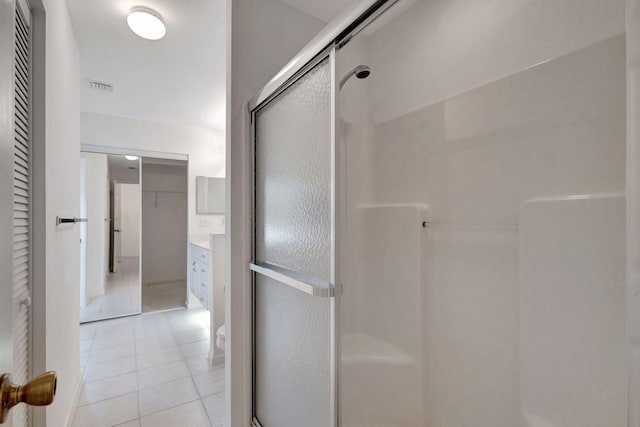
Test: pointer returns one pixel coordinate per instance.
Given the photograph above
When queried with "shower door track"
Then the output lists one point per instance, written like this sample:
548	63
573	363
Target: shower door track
338	32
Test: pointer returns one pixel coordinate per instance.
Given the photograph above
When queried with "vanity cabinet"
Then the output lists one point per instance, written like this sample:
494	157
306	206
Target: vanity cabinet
199	273
207	282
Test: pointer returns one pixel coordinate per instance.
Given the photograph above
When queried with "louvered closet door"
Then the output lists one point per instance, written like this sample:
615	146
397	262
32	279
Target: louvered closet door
21	212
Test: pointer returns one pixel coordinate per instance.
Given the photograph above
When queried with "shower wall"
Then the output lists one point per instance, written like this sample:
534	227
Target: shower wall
497	123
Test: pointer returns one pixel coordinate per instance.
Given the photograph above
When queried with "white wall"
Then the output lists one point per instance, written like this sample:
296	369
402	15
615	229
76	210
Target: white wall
130	199
263	36
474	109
57	289
96	193
204	147
446	47
572	284
164	223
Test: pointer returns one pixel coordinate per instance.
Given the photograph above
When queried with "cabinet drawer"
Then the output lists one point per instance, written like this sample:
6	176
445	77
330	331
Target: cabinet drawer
203	300
201	294
200	254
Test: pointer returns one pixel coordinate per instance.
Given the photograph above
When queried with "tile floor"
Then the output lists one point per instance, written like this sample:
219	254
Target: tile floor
163	296
150	371
122	294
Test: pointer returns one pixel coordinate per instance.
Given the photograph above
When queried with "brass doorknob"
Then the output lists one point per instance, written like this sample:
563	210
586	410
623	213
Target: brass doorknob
40	391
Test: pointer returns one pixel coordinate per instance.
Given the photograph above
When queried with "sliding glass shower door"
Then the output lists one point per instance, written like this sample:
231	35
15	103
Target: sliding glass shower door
294	255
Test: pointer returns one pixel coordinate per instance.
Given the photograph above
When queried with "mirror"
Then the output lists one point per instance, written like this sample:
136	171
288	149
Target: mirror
110	239
133	246
210	195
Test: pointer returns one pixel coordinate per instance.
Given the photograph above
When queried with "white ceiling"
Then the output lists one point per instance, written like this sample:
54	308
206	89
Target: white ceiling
179	79
324	10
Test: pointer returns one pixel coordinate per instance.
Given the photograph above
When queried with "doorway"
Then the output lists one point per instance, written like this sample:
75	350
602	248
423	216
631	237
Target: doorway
134	241
164	234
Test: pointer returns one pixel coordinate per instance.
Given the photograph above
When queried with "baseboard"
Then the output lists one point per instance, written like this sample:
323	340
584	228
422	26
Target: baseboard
74	402
216	360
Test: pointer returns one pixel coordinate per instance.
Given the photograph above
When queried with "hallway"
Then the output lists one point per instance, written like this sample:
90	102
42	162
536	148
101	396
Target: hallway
150	370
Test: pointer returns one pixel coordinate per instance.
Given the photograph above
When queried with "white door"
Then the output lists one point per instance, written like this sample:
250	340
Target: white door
294	254
6	186
117	226
14	199
15	205
83	232
129	220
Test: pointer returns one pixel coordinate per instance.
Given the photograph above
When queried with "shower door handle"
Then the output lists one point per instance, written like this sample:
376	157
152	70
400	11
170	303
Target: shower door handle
325	290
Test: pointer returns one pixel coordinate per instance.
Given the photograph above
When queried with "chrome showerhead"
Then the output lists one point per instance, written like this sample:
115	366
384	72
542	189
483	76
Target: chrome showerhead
361	72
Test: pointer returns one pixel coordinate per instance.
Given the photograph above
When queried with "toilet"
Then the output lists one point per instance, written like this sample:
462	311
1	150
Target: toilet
220	336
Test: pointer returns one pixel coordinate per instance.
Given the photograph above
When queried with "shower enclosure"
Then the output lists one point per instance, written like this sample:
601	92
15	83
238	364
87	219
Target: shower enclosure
439	222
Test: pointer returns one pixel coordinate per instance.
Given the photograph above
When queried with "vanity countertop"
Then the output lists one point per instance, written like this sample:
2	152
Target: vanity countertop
200	240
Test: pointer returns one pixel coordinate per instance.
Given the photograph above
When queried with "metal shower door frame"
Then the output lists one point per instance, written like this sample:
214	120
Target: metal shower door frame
325	45
300	285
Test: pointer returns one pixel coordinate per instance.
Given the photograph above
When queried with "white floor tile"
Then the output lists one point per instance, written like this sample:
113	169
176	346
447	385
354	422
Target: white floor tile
113	368
195	348
210	382
84	359
156	399
214	406
109	412
87	331
120	323
149	344
85	345
152	366
199	364
193	335
191	414
104	342
160	357
162	374
196	318
117	331
149	318
96	391
153	330
102	355
121	297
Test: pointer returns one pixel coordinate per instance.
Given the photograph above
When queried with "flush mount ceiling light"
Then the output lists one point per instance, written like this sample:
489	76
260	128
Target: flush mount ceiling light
147	23
128	157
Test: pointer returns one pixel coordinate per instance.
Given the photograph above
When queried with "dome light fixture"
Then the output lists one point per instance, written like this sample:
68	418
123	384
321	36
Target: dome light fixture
129	157
147	23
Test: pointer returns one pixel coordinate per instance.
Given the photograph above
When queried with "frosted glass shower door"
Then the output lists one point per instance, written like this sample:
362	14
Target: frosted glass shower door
293	255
